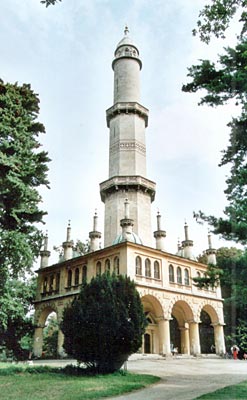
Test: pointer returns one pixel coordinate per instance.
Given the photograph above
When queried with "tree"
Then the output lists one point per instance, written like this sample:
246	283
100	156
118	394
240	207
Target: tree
49	2
215	18
15	319
23	169
211	278
105	323
224	82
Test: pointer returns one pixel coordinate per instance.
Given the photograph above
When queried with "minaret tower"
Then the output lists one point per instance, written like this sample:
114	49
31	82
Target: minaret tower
210	252
127	120
95	235
45	253
187	244
159	235
68	245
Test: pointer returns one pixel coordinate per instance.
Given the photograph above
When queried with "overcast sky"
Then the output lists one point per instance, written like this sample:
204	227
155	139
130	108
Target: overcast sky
65	53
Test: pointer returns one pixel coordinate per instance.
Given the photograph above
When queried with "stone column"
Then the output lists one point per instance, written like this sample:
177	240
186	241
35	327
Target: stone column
164	336
38	341
60	341
195	347
185	339
219	339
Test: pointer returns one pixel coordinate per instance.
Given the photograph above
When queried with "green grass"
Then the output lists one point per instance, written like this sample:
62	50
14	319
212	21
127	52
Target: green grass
234	392
33	383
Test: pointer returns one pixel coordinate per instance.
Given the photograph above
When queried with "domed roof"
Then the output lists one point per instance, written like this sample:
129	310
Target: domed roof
126	40
133	238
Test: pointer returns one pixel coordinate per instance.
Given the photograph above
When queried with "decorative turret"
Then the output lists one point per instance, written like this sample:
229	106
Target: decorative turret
159	235
68	245
127	120
127	224
45	253
187	244
180	249
95	235
210	252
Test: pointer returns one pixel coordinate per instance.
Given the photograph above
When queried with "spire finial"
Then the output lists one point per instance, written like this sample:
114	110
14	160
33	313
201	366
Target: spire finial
126	30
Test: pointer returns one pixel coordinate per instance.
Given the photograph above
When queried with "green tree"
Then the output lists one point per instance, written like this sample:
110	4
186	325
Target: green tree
105	323
16	305
23	169
215	18
226	81
49	2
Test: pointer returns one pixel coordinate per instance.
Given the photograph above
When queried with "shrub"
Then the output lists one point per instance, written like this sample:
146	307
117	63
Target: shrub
105	323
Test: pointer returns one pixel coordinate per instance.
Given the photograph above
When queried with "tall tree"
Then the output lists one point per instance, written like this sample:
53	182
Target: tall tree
225	81
23	169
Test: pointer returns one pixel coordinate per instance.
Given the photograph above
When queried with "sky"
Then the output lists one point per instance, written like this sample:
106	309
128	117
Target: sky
65	53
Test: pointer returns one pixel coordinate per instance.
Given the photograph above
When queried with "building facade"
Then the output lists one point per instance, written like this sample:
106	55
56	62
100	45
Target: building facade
179	314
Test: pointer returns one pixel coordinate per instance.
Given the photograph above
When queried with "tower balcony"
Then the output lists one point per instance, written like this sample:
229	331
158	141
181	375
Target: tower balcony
127	183
126	108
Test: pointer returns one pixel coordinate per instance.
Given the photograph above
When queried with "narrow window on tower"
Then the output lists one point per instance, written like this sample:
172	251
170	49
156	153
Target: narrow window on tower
77	273
138	265
179	275
186	277
98	268
69	280
107	265
171	273
116	265
84	273
147	268
156	270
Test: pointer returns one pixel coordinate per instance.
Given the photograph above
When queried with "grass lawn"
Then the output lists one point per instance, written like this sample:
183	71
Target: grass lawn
234	392
20	383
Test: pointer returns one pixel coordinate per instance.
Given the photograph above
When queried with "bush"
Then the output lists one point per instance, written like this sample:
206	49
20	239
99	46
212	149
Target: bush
105	323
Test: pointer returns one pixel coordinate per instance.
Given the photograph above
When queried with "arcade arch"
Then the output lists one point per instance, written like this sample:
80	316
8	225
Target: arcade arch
154	313
41	319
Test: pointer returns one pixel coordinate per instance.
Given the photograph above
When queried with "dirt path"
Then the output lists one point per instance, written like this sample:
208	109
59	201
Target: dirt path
185	379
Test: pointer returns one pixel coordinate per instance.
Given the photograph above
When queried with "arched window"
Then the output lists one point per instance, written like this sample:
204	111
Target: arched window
69	280
138	265
51	283
186	277
45	285
116	265
179	275
57	281
147	268
77	274
198	276
171	273
84	273
156	270
98	268
107	265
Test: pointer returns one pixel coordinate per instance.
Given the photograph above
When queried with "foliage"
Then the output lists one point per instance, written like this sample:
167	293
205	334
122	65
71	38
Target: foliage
50	337
223	83
104	323
215	18
233	262
16	304
23	169
49	2
211	278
